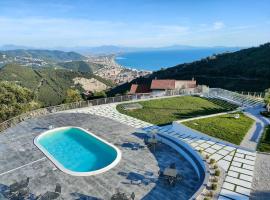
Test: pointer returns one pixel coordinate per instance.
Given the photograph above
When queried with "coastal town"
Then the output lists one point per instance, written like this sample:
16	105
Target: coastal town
113	71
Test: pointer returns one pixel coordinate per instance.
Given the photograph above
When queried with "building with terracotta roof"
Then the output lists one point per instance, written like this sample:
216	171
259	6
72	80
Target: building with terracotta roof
162	85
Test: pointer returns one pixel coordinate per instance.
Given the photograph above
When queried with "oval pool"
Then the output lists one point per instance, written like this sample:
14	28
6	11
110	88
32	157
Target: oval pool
78	152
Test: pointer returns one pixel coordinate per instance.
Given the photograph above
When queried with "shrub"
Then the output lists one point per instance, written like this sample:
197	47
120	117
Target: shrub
215	166
206	198
214	186
212	161
215	179
210	194
217	172
207	156
200	151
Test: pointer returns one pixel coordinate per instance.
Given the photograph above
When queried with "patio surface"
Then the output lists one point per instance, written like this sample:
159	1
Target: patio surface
20	158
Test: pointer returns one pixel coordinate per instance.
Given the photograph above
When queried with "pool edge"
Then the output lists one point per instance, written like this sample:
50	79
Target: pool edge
70	172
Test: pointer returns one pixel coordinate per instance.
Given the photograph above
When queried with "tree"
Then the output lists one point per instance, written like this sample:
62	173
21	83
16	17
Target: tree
267	99
73	96
15	100
100	94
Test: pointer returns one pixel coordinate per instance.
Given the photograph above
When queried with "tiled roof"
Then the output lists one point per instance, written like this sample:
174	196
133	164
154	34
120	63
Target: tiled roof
163	84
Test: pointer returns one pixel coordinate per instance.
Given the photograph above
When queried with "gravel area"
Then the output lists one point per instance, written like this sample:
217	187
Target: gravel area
261	178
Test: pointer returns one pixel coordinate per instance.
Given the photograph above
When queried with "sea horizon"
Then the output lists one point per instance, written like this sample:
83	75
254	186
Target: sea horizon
157	59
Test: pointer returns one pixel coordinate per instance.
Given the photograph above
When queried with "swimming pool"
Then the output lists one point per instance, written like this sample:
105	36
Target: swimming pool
78	152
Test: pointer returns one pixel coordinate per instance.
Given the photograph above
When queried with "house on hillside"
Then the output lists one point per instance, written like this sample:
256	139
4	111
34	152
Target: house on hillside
163	86
159	87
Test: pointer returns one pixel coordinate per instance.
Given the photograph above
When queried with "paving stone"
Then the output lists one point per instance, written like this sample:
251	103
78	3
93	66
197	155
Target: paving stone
210	142
233	174
249	167
233	195
224	164
246	152
205	145
217	147
240	170
228	186
223	152
217	157
241	160
228	158
242	190
236	164
246	177
239	155
210	150
229	148
236	181
250	157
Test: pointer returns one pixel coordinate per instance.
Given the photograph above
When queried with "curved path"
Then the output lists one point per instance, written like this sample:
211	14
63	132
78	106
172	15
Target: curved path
253	136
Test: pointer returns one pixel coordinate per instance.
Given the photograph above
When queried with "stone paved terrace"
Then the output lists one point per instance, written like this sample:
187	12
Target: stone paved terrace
236	161
20	158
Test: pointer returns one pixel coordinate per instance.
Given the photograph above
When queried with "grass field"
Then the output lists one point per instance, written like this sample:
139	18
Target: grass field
264	144
164	111
224	127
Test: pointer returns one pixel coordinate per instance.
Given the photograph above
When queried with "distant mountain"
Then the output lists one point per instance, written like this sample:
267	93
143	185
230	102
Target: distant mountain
49	84
14	47
111	49
47	55
244	70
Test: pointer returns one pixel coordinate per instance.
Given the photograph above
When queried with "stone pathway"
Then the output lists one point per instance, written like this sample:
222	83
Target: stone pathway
237	162
253	136
109	111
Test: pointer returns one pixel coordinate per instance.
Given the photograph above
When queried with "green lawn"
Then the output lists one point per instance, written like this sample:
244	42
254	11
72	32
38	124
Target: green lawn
164	111
224	127
264	144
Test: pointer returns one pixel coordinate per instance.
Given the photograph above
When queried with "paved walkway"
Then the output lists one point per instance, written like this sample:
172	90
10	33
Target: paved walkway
237	162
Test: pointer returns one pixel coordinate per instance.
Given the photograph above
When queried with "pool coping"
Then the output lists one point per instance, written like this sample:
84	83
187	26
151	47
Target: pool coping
70	172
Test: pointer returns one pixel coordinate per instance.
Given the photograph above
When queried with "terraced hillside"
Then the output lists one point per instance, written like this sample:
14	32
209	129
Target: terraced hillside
49	84
164	111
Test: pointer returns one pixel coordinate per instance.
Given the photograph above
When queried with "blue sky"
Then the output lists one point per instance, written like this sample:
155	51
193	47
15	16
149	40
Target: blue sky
48	23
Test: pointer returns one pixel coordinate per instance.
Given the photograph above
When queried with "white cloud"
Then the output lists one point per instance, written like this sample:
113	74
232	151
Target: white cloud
218	25
75	32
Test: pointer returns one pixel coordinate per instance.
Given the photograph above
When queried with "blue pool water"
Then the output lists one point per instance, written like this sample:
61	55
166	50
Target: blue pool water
76	150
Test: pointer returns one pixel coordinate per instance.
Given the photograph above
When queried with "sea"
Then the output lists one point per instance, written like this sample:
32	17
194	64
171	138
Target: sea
155	60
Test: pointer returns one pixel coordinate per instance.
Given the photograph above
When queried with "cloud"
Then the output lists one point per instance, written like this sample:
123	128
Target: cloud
218	25
70	32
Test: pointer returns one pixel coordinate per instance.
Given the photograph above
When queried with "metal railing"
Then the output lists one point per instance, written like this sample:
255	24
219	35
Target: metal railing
82	104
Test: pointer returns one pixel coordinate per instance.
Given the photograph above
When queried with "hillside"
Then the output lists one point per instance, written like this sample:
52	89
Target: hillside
49	84
80	66
47	55
244	70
